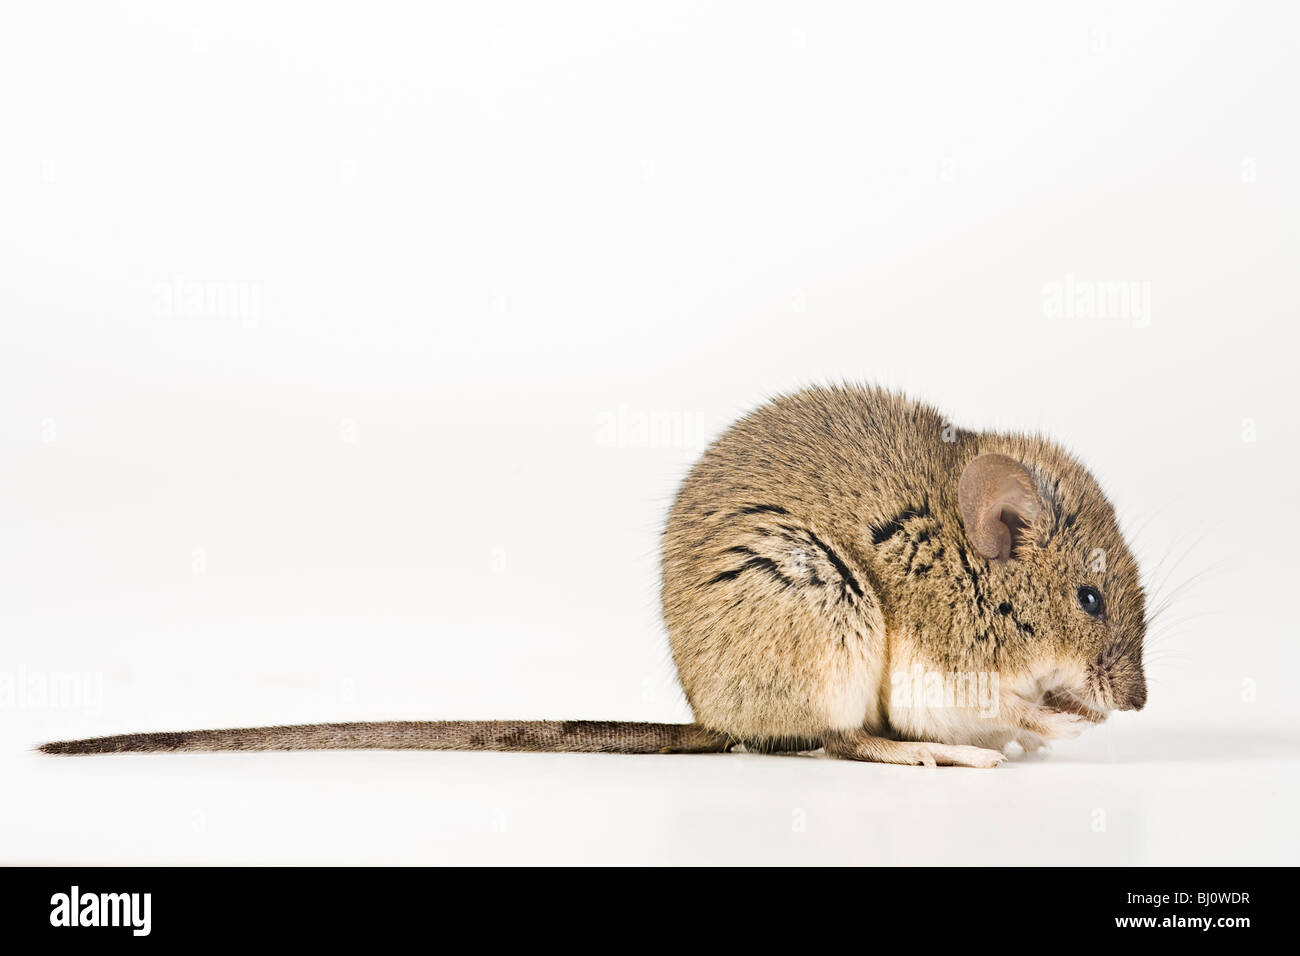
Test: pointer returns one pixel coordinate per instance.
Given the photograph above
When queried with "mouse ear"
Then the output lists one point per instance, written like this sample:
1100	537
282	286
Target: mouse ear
998	503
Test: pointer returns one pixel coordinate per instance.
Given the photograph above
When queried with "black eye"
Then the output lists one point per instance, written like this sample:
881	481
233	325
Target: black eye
1089	600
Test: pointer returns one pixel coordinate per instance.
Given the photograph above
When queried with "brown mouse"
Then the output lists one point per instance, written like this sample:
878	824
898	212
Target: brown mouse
845	569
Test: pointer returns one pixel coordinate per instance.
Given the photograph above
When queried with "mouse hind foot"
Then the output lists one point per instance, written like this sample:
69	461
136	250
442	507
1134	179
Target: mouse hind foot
860	745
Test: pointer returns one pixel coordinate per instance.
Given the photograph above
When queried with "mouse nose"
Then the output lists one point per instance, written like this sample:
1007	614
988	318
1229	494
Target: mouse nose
1135	696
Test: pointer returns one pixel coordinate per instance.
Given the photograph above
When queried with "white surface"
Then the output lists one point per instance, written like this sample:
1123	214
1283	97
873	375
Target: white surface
1128	796
329	337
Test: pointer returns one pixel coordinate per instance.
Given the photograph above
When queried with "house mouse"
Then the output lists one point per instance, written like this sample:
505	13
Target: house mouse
845	569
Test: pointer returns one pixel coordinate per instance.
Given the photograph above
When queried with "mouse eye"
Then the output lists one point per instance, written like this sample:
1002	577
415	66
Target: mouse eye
1090	600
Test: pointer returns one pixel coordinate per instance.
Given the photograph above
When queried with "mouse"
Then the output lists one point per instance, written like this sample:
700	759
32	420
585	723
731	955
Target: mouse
845	571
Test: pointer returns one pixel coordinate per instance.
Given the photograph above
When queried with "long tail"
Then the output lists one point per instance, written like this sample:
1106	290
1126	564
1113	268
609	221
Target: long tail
528	736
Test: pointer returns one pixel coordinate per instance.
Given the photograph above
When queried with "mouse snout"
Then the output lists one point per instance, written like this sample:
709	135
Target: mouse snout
1134	697
1128	687
1120	683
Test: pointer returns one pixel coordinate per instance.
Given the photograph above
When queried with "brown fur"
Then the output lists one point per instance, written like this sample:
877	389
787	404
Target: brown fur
821	539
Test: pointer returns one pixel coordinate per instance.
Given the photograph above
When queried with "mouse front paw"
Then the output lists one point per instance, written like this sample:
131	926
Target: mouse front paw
1030	742
1049	724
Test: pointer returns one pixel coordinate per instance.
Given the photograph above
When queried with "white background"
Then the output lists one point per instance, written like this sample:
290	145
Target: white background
330	336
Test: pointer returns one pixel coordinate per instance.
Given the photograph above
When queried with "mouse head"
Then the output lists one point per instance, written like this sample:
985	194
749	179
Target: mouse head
1069	605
